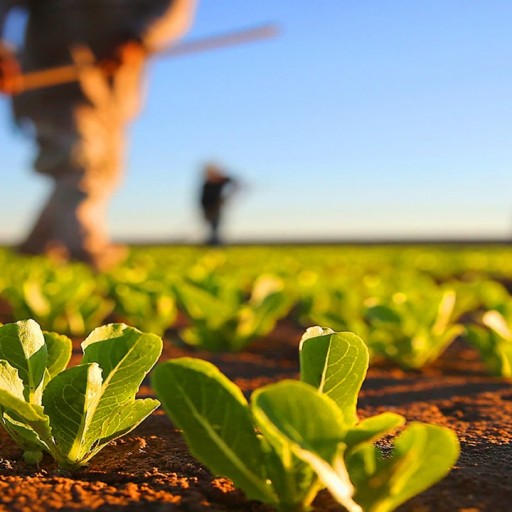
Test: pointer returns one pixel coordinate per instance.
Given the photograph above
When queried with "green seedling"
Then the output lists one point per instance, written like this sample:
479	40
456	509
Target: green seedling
480	294
72	413
413	333
149	306
227	322
339	305
297	437
66	299
493	339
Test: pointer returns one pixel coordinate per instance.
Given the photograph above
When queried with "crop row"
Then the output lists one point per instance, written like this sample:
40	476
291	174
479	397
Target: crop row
269	448
408	304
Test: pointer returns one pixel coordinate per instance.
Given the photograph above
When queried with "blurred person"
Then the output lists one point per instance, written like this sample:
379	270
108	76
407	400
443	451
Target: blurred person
216	188
79	127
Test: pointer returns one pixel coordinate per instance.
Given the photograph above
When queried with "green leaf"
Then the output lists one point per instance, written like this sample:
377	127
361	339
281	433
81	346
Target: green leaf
495	351
24	422
123	420
199	304
371	429
23	431
216	421
59	349
258	319
22	344
39	305
495	321
422	455
125	355
70	400
383	314
279	412
10	381
334	476
11	395
504	355
336	364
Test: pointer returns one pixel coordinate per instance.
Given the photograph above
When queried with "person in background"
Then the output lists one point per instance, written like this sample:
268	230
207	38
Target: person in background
215	190
79	128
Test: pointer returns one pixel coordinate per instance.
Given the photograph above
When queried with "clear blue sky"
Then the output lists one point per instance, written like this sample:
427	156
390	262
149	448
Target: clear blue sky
363	118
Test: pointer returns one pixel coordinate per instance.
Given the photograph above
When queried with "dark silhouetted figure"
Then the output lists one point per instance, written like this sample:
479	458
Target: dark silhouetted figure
216	188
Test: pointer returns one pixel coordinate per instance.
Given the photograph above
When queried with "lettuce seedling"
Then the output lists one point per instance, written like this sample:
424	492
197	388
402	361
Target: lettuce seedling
493	339
340	307
298	437
72	413
150	306
413	333
67	299
226	322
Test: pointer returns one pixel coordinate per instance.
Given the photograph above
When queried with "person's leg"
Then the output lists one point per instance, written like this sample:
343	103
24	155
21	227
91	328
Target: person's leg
56	137
82	153
212	216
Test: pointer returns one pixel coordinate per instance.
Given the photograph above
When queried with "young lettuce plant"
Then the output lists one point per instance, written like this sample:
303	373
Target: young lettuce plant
297	437
66	299
225	322
148	306
72	413
413	333
493	339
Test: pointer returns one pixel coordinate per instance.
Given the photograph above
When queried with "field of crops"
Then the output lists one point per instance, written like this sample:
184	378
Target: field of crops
413	411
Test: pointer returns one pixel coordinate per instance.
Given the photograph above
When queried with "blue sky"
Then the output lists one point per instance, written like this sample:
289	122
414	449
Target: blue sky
364	118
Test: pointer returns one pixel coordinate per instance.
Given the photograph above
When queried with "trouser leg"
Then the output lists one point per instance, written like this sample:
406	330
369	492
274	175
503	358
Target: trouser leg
42	231
82	154
212	216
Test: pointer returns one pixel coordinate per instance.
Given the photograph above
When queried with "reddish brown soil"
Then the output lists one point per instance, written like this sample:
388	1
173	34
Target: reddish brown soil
151	469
